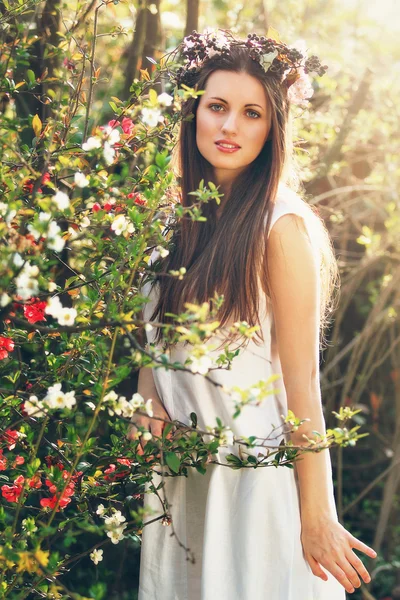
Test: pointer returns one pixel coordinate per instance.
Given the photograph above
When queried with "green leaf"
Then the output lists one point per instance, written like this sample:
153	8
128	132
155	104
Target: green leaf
173	461
31	76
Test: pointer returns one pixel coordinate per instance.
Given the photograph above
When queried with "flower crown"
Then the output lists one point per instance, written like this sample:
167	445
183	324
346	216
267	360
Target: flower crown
288	64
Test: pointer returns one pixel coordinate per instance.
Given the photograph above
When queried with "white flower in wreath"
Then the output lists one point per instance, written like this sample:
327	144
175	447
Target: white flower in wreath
266	59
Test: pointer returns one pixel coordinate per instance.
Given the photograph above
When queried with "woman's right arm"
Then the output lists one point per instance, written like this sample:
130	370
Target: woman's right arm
147	389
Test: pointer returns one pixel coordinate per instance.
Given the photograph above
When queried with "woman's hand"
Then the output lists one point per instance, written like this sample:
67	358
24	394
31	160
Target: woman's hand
151	424
326	543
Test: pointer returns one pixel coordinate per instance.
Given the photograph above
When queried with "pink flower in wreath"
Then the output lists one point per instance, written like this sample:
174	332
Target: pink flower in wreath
301	89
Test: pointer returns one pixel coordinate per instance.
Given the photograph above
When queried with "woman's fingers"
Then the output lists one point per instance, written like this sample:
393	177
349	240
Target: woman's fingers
340	575
359	566
355	543
316	568
152	425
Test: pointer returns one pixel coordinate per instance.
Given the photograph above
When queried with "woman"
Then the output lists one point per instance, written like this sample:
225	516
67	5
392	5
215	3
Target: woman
265	533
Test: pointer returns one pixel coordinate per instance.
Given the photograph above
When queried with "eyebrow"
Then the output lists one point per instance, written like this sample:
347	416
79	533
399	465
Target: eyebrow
222	100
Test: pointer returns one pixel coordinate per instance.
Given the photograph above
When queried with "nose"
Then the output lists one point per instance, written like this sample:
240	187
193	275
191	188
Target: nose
229	126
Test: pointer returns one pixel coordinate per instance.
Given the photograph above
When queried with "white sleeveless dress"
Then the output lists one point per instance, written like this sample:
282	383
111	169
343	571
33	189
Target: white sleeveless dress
242	526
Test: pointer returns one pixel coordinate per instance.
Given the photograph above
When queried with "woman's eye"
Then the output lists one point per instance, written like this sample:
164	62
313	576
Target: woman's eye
217	105
212	106
254	113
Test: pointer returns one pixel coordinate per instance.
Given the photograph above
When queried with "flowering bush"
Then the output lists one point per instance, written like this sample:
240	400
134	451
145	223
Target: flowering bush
82	208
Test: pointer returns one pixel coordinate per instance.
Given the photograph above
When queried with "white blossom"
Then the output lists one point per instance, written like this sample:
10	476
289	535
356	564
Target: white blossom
147	436
33	407
18	260
54	239
26	282
4	299
110	397
67	316
148	327
96	556
115	519
101	510
149	407
162	251
165	99
81	180
226	437
54	307
151	116
121	224
43	217
116	534
137	400
113	135
91	144
7	213
200	365
61	199
56	398
85	222
108	153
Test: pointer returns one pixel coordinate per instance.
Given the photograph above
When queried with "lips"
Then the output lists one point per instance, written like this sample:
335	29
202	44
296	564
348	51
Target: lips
227	144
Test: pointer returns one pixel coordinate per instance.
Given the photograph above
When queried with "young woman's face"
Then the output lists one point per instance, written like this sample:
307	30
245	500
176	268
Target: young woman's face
234	109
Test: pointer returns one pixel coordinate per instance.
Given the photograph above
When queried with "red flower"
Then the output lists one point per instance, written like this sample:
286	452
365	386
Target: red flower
107	206
69	64
46	178
51	502
12	492
19	460
11	438
116	476
65	496
77	475
27	186
35	482
53	461
34	312
6	346
96	207
138	199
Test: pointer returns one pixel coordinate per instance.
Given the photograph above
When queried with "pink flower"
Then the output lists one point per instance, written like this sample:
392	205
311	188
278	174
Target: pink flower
301	89
124	461
12	492
6	346
126	124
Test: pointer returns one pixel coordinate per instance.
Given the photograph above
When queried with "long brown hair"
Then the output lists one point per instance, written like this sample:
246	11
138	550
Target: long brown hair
227	255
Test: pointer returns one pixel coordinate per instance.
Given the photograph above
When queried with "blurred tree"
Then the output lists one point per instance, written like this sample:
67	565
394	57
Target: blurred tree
192	16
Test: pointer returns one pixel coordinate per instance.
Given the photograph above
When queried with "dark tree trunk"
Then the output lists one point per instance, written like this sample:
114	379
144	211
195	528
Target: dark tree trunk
192	16
135	50
153	37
